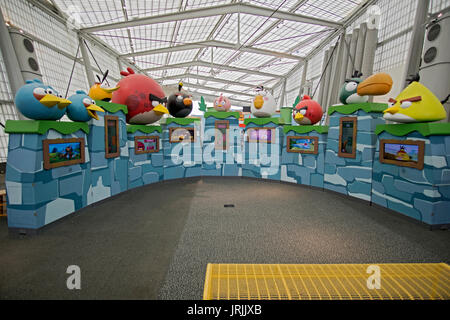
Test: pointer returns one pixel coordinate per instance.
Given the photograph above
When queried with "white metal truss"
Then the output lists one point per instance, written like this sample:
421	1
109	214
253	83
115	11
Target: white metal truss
240	43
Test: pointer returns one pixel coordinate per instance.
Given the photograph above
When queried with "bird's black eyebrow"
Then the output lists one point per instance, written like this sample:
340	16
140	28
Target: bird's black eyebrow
155	98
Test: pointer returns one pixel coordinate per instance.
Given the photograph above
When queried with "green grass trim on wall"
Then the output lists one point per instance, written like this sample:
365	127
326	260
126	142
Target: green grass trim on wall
112	107
222	114
132	128
181	121
260	121
306	129
425	128
352	108
42	126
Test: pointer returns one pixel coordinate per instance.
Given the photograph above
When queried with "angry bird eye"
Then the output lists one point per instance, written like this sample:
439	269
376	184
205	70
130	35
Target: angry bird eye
49	91
87	102
406	104
303	111
351	86
180	98
155	103
39	91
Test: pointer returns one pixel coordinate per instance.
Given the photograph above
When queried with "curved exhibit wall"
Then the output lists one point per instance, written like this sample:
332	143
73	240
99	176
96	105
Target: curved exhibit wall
56	168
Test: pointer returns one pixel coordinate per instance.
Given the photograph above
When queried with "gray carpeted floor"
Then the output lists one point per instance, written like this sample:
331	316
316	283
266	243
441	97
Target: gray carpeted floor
132	247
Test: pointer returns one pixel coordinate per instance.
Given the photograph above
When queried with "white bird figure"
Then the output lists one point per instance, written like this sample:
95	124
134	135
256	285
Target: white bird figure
263	105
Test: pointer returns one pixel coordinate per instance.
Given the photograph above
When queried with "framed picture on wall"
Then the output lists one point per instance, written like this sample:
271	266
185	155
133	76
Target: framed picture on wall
221	134
62	152
303	144
266	135
405	153
146	144
347	137
181	134
112	146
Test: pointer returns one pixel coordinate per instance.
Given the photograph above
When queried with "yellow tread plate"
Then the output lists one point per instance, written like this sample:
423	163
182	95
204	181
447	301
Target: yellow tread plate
408	281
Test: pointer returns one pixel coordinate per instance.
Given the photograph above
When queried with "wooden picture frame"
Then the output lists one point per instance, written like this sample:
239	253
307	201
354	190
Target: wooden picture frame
55	160
315	143
191	131
272	135
225	142
342	143
136	143
109	147
403	158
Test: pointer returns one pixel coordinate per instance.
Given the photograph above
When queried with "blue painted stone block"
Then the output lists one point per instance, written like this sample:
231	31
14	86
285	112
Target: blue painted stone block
73	184
150	177
134	173
174	173
32	141
349	173
24	160
231	170
65	171
193	172
157	159
15	141
98	160
360	187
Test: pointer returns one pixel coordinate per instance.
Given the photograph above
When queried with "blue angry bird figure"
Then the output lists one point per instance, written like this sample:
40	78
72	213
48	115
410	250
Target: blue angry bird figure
82	108
38	101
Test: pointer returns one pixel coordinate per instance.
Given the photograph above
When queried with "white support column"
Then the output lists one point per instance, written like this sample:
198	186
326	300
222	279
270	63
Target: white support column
352	53
360	46
417	40
10	59
345	59
322	85
335	80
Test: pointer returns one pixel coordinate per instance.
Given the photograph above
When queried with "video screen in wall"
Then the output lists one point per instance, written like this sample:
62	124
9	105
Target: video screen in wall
347	137
305	144
182	134
266	135
63	152
221	137
146	144
407	153
112	148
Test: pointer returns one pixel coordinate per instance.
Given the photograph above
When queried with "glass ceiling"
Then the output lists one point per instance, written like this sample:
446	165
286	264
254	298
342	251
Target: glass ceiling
228	49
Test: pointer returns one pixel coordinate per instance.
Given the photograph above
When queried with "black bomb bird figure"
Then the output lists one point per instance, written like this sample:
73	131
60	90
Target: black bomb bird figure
179	104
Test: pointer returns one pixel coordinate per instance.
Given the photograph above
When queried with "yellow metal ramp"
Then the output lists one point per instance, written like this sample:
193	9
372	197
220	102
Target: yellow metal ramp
410	281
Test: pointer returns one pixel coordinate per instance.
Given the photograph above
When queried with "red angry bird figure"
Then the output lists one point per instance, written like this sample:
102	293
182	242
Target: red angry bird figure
307	111
143	96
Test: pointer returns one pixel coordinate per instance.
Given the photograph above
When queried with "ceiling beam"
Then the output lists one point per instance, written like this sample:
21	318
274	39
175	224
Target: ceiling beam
212	65
218	90
205	78
211	98
244	8
213	43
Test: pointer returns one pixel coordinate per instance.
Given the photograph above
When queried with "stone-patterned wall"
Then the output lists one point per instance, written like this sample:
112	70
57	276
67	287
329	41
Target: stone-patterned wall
421	194
222	162
109	176
262	160
300	168
144	168
352	176
182	159
36	196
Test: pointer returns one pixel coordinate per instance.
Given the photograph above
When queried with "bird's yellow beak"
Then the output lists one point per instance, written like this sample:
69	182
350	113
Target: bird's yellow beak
92	111
258	102
160	110
299	116
187	101
111	90
392	110
50	100
63	103
376	85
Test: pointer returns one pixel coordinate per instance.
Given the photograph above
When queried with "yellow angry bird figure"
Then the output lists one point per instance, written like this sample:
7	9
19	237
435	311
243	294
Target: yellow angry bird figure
97	92
415	104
